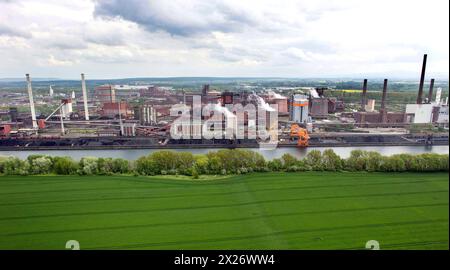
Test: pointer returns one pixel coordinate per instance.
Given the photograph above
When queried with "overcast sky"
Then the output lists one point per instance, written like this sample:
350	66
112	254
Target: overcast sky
263	38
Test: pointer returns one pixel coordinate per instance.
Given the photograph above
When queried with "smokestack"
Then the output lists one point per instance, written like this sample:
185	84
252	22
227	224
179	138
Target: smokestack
83	88
383	97
205	90
30	96
422	78
430	93
363	96
383	102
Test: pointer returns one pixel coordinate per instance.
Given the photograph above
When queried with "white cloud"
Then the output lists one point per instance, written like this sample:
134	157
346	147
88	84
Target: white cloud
300	38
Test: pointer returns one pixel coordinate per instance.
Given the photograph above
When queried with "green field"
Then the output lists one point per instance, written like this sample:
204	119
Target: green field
259	211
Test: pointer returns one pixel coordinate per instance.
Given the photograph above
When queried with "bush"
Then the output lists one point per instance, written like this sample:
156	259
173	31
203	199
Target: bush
394	164
105	166
275	165
15	166
121	166
331	161
357	161
2	161
89	166
288	160
201	164
374	161
233	160
164	160
64	166
184	162
41	165
146	166
224	162
194	173
314	160
293	169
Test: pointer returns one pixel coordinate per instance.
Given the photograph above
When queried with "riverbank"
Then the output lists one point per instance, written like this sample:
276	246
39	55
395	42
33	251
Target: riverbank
222	162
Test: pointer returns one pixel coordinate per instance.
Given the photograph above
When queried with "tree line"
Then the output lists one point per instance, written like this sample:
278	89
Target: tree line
223	162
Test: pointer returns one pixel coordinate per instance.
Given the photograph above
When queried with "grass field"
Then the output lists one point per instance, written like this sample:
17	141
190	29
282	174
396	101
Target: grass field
259	211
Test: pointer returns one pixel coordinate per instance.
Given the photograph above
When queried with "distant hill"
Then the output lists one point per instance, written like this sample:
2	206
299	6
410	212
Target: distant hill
221	83
23	79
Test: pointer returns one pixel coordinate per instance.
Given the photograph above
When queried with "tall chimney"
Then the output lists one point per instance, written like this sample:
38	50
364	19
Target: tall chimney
422	78
364	96
430	93
30	96
83	88
383	111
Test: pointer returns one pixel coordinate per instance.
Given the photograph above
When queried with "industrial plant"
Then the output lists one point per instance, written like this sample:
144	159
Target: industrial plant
139	116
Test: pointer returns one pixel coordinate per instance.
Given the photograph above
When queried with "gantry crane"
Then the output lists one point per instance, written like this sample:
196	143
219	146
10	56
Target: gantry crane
301	134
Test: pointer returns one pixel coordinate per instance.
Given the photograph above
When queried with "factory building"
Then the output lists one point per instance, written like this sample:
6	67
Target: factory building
376	117
105	93
128	91
111	110
420	113
152	91
146	114
443	115
299	108
280	101
227	98
370	106
13	114
368	114
282	104
428	112
129	129
318	107
335	105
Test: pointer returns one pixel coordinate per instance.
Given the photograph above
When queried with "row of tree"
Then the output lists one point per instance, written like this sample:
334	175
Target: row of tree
223	162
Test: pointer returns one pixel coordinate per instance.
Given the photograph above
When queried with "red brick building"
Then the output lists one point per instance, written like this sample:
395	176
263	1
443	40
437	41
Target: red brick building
111	109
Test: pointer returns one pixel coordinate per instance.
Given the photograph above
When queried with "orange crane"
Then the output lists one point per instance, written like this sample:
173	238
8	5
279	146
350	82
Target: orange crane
301	134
